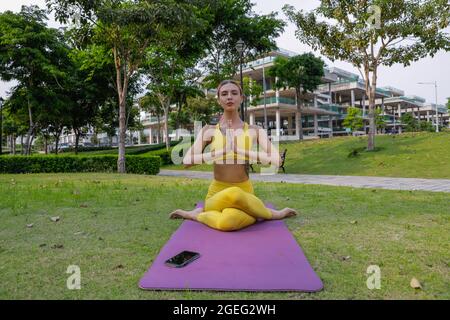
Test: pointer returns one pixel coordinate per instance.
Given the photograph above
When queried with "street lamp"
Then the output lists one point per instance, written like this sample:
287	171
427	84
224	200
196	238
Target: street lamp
1	123
436	105
240	49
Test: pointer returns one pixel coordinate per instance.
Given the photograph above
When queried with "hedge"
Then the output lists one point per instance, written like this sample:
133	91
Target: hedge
100	163
114	150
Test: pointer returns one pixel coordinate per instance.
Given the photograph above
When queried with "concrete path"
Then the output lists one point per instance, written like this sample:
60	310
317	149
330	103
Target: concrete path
436	185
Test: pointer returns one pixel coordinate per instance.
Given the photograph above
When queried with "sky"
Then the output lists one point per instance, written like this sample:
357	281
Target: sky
405	78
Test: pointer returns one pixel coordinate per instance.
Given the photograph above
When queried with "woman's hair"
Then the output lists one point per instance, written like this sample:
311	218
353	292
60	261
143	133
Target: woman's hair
224	82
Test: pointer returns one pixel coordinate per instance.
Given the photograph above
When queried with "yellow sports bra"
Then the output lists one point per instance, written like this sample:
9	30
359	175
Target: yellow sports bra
244	142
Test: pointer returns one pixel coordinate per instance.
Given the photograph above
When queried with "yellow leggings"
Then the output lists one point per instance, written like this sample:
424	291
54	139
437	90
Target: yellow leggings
232	206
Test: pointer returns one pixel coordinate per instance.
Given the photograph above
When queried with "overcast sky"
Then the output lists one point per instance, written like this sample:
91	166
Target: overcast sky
405	78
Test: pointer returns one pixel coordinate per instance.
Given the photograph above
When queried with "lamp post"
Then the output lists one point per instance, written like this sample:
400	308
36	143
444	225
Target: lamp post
240	49
436	105
1	124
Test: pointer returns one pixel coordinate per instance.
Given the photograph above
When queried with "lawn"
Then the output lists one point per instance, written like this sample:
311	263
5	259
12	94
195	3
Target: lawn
409	155
112	226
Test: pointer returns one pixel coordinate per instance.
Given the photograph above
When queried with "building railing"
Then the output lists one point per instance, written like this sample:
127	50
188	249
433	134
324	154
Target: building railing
258	62
153	119
328	106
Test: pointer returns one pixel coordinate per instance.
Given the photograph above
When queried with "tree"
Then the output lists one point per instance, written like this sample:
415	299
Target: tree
168	76
252	89
409	121
303	73
370	33
190	89
353	120
127	28
90	84
203	108
33	55
379	119
234	20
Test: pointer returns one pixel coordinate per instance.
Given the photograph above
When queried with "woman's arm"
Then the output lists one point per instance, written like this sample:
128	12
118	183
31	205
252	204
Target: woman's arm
195	154
269	154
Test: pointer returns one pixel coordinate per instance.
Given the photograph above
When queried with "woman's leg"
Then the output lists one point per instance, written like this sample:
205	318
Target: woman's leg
184	214
229	219
235	197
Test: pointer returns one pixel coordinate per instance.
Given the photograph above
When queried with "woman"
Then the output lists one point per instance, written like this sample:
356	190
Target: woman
231	203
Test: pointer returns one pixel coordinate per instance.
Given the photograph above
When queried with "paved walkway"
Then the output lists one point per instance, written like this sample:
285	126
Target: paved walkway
437	185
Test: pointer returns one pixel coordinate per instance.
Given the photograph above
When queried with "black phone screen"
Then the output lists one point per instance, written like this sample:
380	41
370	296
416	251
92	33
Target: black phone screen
182	258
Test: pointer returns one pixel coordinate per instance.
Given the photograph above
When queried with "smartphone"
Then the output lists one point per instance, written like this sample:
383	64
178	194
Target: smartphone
182	259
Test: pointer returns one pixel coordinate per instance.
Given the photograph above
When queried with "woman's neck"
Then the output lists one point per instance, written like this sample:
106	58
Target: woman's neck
230	119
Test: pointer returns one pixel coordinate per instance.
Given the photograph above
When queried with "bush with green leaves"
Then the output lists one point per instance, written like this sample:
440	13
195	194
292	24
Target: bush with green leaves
427	126
114	150
98	163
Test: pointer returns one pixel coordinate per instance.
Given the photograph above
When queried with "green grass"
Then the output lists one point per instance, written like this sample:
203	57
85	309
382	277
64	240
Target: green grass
113	226
410	155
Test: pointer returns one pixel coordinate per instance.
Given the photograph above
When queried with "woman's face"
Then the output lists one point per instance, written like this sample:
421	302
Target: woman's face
230	97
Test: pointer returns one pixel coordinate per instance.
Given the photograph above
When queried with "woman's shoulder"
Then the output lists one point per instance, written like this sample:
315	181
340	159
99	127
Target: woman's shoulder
255	127
208	131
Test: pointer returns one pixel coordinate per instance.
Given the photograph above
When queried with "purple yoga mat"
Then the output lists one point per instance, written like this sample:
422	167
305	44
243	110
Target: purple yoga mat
262	257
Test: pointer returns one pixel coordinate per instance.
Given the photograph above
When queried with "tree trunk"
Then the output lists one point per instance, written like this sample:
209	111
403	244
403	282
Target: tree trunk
159	130
30	145
57	135
14	144
166	125
372	124
77	139
21	145
56	144
299	109
122	93
30	130
46	144
121	160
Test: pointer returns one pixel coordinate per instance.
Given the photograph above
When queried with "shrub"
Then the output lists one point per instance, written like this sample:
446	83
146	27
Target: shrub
101	163
114	150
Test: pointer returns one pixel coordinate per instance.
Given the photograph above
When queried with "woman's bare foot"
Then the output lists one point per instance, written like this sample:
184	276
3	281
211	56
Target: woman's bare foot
183	214
283	213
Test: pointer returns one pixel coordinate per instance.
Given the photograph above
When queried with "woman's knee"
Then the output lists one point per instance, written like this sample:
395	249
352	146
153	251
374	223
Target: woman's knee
230	221
227	223
234	194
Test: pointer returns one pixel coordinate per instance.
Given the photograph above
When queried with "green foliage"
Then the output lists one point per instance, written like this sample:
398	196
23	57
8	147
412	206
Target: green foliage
134	150
353	120
37	58
102	163
252	89
354	30
410	122
164	154
234	20
371	33
203	108
303	72
426	126
380	122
